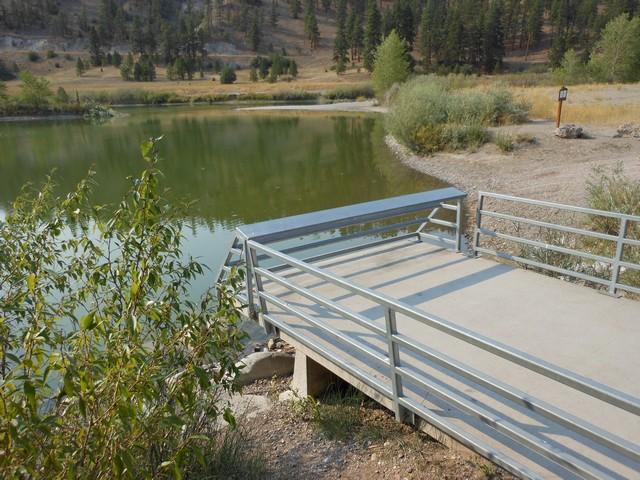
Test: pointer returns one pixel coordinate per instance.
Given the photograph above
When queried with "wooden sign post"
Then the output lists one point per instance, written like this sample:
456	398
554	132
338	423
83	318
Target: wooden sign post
562	96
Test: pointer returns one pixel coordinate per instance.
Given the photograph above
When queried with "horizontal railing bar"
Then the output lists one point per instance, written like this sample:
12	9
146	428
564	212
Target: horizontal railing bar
329	304
448	206
236	251
628	288
335	253
538	223
329	330
546	246
533	263
560	206
468	440
431	236
631	241
503	426
592	432
583	384
351	236
444	223
350	368
545	266
633	266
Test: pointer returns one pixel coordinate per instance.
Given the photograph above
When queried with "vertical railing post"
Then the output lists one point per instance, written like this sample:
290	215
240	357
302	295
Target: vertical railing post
394	362
615	266
459	226
252	263
249	282
476	234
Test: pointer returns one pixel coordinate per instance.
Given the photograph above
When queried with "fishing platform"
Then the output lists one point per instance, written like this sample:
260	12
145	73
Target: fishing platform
539	375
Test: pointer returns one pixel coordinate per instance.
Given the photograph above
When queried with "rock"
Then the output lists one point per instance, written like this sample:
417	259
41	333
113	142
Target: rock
249	406
631	129
568	130
264	365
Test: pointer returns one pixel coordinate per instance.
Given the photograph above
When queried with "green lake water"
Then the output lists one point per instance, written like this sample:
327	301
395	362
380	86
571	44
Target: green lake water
239	167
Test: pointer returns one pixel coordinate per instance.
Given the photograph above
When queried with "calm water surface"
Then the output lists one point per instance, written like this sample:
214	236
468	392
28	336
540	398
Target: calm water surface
239	167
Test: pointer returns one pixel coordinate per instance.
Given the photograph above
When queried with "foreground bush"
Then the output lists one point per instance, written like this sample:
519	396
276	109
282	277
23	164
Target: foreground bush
107	365
427	115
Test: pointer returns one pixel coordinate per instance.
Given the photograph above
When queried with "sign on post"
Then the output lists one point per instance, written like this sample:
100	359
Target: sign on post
562	96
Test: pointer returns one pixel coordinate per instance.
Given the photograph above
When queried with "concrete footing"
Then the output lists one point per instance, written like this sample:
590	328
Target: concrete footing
309	377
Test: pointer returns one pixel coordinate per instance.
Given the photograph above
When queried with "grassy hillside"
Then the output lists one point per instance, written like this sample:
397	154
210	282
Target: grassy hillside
56	52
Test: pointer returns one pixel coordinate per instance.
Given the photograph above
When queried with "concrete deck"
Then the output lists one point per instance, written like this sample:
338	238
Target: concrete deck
568	325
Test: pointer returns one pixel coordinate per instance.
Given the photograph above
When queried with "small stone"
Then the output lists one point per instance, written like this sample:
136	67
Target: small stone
374	457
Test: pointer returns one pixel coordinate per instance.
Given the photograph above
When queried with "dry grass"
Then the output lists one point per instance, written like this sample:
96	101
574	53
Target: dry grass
587	104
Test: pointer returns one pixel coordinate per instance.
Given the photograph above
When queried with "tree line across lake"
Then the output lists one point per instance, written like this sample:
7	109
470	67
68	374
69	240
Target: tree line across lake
443	35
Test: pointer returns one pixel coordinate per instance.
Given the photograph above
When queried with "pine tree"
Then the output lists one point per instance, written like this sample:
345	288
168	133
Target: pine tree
137	41
273	14
126	69
493	39
80	67
357	38
95	49
293	68
340	44
311	26
533	24
372	34
105	23
83	23
254	34
404	23
295	8
253	74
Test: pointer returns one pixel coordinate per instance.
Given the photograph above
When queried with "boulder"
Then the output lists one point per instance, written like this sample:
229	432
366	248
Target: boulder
631	129
568	130
264	365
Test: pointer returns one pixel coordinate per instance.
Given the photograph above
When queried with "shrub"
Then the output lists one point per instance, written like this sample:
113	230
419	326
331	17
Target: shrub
350	93
505	141
33	56
427	115
227	76
51	54
5	73
612	191
108	362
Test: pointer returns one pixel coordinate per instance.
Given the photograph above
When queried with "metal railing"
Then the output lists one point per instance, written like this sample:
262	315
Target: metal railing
390	362
591	267
272	274
371	223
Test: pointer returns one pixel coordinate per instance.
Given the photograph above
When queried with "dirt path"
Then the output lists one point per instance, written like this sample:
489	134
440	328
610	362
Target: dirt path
549	168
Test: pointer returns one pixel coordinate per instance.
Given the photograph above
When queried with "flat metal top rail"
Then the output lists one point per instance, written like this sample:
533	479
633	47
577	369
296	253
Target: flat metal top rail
562	206
308	223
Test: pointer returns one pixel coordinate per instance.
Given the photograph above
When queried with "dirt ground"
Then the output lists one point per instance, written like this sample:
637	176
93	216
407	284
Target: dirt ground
546	168
378	448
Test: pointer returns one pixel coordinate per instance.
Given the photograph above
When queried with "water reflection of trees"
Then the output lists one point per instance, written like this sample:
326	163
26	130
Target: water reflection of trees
238	167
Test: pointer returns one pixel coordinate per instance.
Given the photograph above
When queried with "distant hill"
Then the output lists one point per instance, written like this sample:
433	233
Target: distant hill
445	35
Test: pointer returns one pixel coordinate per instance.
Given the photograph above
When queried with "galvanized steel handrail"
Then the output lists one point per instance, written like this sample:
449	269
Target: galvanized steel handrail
279	230
615	262
255	244
396	372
